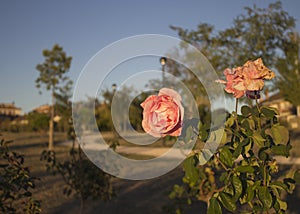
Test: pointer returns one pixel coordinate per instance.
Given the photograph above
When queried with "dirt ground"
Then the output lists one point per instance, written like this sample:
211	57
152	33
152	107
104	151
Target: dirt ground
147	196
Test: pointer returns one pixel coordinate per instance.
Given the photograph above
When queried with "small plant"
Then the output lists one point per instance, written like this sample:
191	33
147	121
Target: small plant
16	183
80	175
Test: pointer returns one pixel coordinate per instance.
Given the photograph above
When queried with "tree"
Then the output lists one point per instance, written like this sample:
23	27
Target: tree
79	174
38	121
288	67
261	32
53	77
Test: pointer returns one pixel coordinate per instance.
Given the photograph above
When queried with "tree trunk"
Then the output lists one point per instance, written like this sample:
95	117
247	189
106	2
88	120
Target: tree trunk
81	205
51	125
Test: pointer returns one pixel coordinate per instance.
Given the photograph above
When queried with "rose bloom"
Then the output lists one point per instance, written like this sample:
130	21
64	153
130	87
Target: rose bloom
233	83
247	78
163	114
254	74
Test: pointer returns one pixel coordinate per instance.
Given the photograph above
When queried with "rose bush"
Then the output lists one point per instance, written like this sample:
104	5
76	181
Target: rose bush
243	174
163	114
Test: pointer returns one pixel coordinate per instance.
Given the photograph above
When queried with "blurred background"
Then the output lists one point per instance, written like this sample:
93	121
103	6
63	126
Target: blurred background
63	36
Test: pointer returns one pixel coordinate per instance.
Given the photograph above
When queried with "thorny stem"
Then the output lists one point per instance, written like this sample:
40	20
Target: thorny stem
256	102
258	109
265	176
236	114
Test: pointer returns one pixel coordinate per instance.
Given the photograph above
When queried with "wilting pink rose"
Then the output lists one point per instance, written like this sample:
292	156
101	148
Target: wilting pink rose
254	73
234	82
163	114
249	77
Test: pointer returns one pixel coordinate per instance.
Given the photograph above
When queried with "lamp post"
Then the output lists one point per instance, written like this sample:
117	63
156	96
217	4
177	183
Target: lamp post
114	87
115	133
163	61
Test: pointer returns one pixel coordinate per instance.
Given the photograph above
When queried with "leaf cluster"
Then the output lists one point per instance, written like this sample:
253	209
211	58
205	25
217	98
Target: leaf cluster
243	174
16	183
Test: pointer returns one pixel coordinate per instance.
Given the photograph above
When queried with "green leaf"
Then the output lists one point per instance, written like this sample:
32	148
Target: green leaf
214	207
279	134
251	187
265	197
283	150
188	134
223	176
204	156
224	138
246	110
262	154
290	184
255	112
245	169
249	124
269	112
216	136
237	186
227	201
297	176
282	204
248	147
230	121
203	134
258	139
226	156
191	171
238	151
250	193
279	185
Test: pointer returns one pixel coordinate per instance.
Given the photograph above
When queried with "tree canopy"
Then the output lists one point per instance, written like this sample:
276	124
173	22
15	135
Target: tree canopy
268	33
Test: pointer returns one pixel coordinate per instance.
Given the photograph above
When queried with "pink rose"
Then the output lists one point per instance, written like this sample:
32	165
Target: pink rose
254	74
163	114
249	77
234	82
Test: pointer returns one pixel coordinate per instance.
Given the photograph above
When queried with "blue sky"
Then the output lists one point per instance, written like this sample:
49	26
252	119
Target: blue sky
85	27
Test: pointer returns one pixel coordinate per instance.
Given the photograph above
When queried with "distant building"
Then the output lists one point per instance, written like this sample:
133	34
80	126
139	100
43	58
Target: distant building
20	121
9	110
43	109
288	113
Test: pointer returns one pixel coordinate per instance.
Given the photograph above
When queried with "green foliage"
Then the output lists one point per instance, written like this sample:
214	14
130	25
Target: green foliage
124	96
214	207
243	173
38	121
16	183
53	71
103	118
